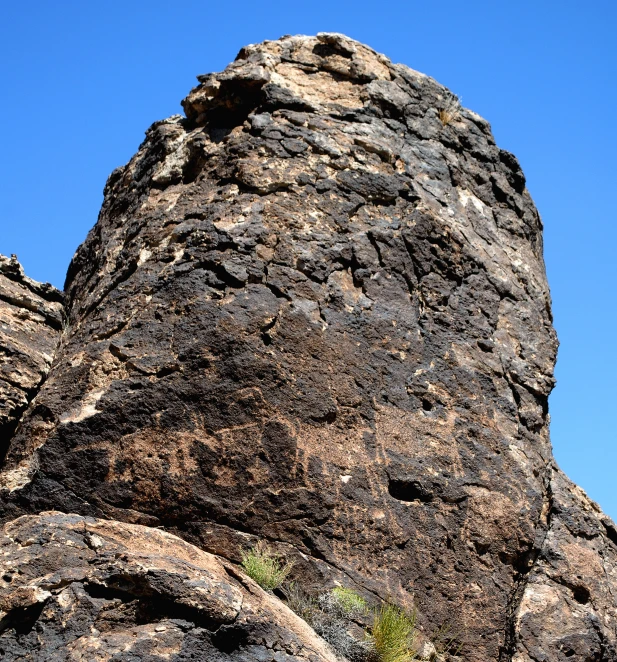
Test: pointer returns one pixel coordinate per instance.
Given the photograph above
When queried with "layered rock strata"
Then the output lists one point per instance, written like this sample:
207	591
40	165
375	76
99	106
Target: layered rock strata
315	310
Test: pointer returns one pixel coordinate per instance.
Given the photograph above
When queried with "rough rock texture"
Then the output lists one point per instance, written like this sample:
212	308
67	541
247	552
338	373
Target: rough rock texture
313	312
31	316
75	588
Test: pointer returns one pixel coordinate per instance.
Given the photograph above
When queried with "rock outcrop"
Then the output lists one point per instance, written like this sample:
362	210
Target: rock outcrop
315	310
31	316
76	588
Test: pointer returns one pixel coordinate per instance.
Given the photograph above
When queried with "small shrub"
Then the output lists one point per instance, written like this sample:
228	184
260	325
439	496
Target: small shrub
331	615
337	615
265	566
336	632
350	603
393	634
450	108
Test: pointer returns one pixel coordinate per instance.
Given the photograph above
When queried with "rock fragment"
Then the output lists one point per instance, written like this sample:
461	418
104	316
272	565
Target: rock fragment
31	318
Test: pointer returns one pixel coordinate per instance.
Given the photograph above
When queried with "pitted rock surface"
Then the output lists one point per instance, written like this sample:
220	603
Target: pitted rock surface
312	311
76	588
31	316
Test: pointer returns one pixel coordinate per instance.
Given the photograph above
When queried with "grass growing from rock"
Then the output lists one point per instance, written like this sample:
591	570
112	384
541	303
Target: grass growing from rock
332	615
350	603
393	634
339	616
450	109
265	566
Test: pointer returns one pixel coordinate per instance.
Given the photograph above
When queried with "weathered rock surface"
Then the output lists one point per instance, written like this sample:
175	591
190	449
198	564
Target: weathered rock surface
312	312
31	317
567	607
75	588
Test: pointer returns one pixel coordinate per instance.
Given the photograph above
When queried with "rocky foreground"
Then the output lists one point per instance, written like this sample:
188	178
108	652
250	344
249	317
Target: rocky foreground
313	311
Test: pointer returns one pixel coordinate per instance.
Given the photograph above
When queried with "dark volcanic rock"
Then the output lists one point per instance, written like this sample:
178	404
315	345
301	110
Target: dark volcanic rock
313	312
31	316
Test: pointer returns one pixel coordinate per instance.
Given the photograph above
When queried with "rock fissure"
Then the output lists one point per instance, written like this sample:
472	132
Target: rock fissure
511	645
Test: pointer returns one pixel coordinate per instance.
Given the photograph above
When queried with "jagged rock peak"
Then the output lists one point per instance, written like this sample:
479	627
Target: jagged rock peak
312	73
315	311
44	297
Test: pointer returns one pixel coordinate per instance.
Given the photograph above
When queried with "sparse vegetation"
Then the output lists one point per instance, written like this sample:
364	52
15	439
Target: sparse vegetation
341	616
446	640
265	566
332	615
450	108
349	602
299	601
393	634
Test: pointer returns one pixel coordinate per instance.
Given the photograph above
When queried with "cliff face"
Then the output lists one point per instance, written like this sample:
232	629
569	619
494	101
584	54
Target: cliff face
315	311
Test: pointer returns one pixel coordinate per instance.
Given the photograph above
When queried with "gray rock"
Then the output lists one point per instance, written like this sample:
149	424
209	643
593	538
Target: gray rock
75	588
31	318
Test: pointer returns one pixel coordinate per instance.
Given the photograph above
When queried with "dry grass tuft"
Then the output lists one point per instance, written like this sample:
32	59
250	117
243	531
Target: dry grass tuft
450	109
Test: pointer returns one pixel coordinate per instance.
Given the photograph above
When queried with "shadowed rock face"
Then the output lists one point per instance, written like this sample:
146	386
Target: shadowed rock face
311	311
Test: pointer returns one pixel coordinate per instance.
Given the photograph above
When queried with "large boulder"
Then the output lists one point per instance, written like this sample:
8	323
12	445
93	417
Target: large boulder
77	588
315	310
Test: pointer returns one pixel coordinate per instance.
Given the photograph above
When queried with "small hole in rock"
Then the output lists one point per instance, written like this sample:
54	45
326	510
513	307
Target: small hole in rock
409	490
581	594
229	639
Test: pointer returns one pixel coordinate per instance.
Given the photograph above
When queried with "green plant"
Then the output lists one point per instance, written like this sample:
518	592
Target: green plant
393	634
265	566
337	616
350	603
331	615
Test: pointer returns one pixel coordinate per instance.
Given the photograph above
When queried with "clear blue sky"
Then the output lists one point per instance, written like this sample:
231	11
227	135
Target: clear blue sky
81	81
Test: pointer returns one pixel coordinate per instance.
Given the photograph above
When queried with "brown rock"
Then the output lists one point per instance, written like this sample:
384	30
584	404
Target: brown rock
76	588
567	607
315	313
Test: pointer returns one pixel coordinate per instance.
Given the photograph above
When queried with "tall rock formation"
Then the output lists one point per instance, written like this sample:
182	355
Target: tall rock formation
315	311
